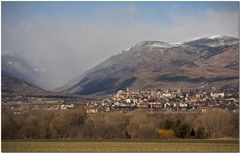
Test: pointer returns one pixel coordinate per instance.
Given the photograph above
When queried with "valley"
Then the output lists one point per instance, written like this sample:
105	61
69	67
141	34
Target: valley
150	68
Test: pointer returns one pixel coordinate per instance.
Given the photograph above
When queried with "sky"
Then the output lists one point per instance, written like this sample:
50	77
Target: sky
64	39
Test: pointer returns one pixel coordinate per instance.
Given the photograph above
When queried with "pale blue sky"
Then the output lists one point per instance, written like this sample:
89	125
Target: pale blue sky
94	11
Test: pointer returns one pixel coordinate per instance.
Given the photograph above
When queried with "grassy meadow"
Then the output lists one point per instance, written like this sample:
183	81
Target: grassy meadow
177	145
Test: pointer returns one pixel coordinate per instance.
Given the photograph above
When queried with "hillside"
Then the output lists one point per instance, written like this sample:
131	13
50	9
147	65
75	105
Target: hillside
17	66
206	62
15	87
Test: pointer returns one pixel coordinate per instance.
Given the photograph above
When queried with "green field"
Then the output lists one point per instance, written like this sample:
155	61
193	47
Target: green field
124	146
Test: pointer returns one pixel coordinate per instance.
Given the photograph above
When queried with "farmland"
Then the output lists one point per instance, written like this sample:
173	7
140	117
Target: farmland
74	145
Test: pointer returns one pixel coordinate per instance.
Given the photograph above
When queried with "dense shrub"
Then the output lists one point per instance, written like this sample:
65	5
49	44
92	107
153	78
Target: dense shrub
217	124
117	125
166	133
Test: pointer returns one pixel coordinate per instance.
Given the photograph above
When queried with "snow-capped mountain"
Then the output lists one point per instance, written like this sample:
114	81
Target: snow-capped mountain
214	41
208	61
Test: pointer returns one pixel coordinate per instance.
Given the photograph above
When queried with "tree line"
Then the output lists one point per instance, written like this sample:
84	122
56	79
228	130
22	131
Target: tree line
77	123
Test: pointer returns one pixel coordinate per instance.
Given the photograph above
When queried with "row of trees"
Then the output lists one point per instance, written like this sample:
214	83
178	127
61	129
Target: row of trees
116	125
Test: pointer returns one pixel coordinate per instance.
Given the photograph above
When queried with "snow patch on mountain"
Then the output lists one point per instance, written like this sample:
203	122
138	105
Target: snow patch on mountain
161	45
127	49
211	41
186	41
154	44
215	36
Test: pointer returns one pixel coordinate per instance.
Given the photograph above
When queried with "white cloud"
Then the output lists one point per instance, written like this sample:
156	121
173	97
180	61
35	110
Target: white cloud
67	48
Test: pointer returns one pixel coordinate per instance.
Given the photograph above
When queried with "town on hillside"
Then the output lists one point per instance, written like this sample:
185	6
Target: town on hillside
167	100
130	100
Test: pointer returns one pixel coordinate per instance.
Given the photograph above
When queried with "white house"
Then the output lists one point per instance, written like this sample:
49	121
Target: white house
217	95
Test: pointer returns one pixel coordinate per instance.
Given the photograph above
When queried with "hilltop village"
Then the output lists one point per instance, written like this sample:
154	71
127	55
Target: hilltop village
166	100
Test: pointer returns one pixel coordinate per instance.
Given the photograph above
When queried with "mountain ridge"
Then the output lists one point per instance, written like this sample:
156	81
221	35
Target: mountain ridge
140	65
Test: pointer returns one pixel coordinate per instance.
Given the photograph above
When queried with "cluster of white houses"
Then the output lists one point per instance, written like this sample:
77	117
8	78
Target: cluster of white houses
124	101
168	100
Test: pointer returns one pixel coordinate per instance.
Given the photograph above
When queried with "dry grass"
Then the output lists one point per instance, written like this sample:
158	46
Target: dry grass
118	146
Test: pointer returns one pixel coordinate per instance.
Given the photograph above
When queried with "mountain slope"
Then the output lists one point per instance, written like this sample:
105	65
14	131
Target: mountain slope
15	87
16	66
205	62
